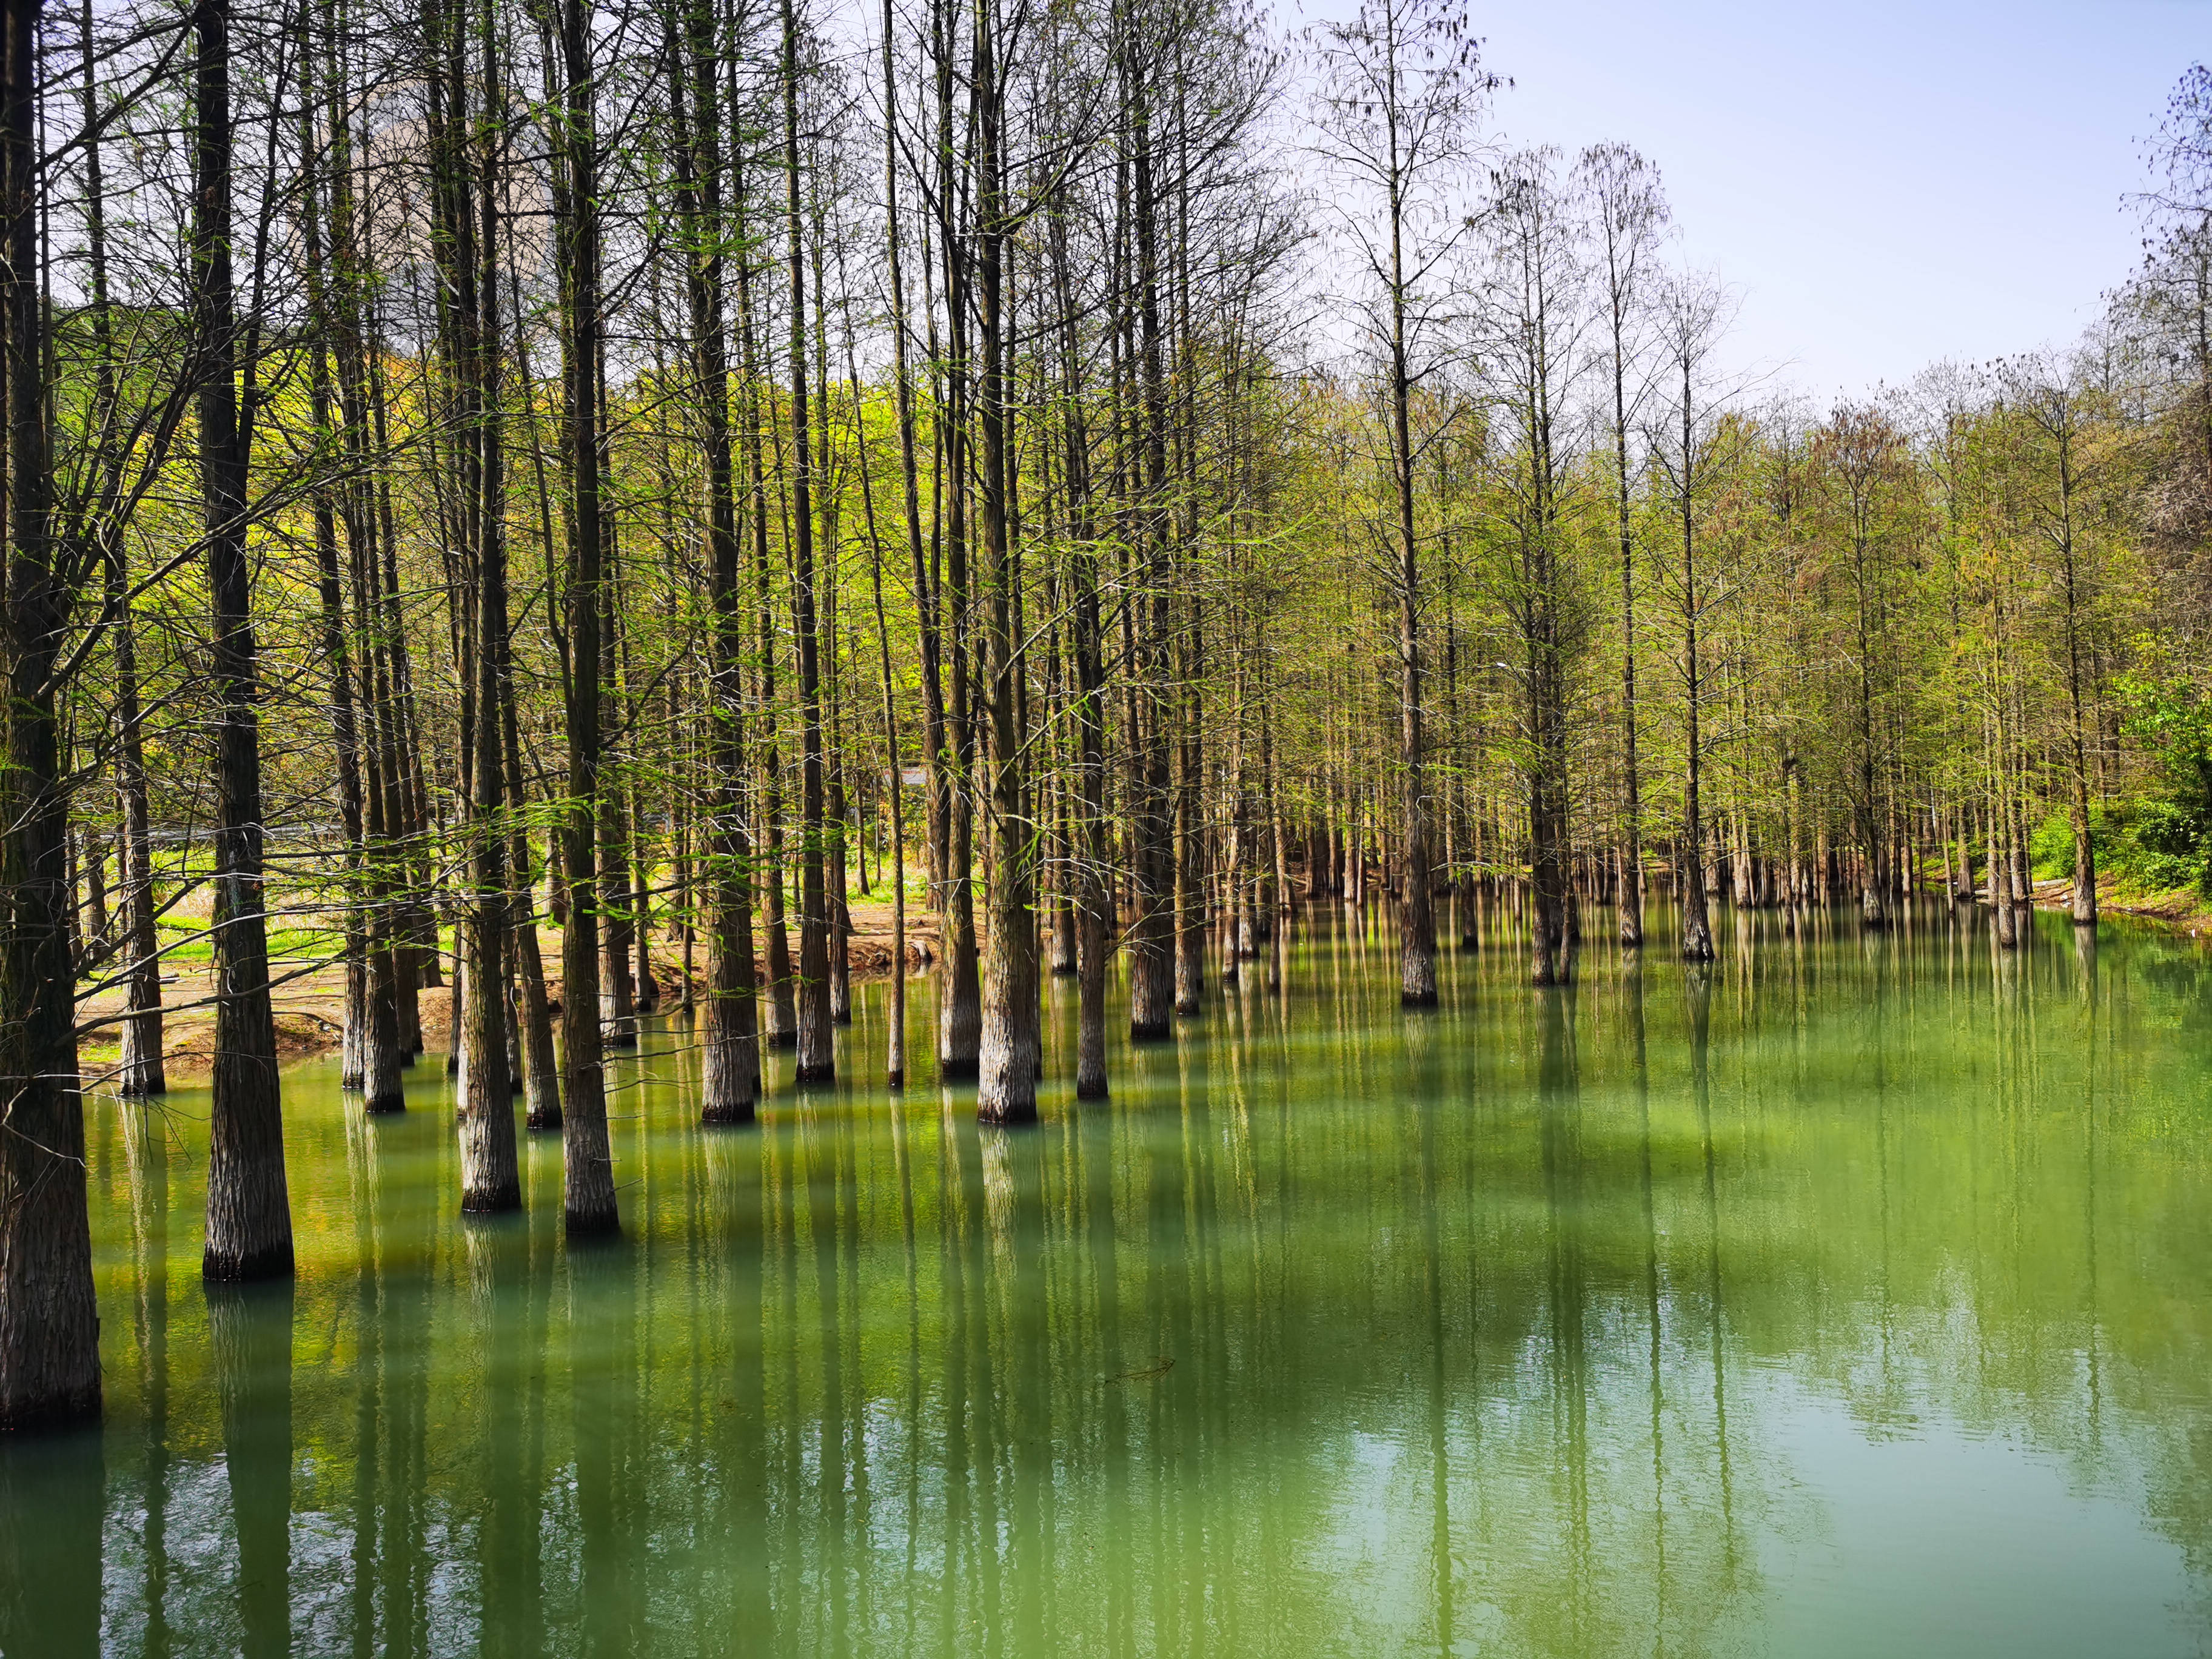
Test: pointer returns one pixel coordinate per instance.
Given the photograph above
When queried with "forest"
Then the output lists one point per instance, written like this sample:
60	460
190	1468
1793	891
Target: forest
566	502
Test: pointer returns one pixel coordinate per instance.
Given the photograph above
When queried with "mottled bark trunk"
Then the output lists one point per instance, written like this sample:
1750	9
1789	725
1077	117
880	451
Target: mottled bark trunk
49	1319
1007	1056
587	1158
729	1069
817	1054
249	1218
142	1070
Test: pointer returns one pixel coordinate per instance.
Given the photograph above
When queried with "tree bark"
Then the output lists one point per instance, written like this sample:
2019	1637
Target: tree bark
729	1069
1008	1058
817	1052
49	1319
587	1158
249	1218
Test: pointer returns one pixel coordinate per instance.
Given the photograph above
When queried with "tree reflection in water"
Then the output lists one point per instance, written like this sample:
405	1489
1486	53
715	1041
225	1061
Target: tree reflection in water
1640	1316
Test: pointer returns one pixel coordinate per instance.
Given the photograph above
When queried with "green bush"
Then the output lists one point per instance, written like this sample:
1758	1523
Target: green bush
2152	846
2162	842
2050	848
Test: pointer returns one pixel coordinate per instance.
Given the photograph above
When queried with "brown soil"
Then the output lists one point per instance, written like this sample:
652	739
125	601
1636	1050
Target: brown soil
2183	908
310	1001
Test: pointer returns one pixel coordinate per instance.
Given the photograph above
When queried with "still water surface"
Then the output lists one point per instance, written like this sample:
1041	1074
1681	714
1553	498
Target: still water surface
1855	1298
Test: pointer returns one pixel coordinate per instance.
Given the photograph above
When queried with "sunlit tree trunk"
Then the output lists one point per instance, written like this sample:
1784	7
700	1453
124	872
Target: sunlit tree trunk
587	1159
730	1070
249	1215
816	1053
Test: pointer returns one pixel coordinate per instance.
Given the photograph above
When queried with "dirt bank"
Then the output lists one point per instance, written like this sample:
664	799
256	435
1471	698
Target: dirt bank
2184	909
309	997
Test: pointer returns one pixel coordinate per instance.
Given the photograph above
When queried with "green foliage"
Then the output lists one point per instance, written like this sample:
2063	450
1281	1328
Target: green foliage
2051	847
2164	840
2172	719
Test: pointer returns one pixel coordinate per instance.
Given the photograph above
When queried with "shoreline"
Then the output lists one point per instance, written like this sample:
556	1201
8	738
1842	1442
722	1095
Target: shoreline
310	1006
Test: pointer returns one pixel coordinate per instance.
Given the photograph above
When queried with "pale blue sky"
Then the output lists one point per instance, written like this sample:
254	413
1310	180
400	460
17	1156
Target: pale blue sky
1886	184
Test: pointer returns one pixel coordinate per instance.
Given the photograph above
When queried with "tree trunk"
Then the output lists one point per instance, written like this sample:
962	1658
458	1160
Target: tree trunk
1007	1059
817	1052
587	1159
729	1069
491	1175
49	1319
249	1218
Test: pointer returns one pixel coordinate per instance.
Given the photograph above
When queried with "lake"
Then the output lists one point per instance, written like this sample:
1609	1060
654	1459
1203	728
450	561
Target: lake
1853	1297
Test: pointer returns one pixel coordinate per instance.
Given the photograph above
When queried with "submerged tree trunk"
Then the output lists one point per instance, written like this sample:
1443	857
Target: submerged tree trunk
895	1011
729	1071
249	1216
374	1006
2085	854
1417	928
491	1175
1151	828
817	1052
1697	924
895	1058
49	1319
541	1074
1092	894
141	1069
959	991
587	1158
1008	1063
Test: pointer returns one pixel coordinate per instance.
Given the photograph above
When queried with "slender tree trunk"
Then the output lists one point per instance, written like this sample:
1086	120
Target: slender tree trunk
1696	924
141	1070
379	1040
1189	831
925	595
642	865
895	1014
2085	853
491	1175
1631	896
1008	1059
731	1069
541	1075
817	1052
959	992
588	1186
617	988
1417	930
1151	939
1092	900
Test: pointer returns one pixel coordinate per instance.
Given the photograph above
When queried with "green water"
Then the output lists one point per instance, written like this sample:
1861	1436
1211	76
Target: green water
1855	1299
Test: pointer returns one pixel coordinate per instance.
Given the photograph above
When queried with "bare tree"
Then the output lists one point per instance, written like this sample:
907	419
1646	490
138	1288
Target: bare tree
1694	316
1401	86
1532	321
1628	214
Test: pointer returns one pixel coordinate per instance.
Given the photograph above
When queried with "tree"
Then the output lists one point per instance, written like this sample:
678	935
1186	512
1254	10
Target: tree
1402	84
587	1159
49	1323
249	1218
2056	412
1622	190
1532	330
1692	317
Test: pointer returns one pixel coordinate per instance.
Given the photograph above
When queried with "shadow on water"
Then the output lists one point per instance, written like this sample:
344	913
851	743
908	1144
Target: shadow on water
1852	1283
